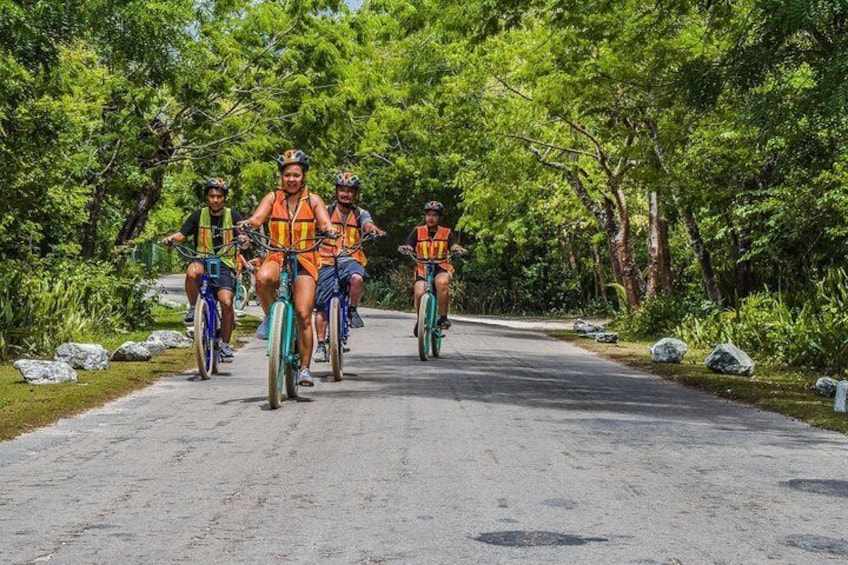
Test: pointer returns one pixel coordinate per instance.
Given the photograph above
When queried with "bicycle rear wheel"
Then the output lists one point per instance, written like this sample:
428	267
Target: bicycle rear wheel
276	354
336	346
423	327
204	346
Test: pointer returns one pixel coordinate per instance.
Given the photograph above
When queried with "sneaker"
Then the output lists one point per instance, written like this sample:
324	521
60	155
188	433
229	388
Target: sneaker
262	330
321	355
227	354
189	317
304	377
415	330
355	319
444	323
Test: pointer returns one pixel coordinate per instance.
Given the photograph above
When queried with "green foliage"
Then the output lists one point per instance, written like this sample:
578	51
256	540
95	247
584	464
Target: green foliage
45	303
813	334
660	316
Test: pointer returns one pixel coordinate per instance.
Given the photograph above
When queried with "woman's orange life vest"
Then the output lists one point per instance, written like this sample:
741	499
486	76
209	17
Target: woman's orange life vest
351	232
294	229
430	248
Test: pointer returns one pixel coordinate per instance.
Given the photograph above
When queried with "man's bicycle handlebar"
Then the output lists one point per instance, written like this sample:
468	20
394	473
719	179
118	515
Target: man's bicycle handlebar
345	250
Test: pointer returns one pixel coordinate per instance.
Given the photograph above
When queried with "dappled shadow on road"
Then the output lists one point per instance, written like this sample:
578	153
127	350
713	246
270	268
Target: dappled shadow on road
533	371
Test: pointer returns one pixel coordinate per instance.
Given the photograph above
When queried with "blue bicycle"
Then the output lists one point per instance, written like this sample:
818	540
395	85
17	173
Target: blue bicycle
207	317
336	311
283	356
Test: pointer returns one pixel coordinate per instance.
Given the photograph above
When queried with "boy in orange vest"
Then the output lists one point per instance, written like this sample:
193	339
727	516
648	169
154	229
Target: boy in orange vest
433	241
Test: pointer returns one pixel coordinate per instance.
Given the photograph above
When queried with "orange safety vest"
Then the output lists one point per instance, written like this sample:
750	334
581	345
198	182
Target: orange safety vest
295	230
435	247
204	235
351	235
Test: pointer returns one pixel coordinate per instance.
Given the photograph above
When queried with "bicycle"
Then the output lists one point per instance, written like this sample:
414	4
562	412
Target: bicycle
430	335
283	356
336	311
245	285
207	318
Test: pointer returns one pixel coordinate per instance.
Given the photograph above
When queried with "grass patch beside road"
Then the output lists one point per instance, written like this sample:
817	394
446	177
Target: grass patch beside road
777	389
24	407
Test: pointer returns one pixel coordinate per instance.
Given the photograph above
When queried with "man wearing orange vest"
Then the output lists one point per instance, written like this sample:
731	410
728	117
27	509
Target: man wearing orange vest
351	221
431	240
212	227
295	215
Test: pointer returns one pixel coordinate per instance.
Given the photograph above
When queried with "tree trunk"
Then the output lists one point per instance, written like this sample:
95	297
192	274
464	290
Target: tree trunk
655	259
631	275
703	255
600	275
665	250
149	196
88	239
744	268
694	234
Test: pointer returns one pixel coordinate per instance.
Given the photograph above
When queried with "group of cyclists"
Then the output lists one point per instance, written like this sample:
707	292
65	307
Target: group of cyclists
293	214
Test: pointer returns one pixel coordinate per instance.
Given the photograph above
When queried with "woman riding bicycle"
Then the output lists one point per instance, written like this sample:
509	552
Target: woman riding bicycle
212	227
295	217
351	221
430	241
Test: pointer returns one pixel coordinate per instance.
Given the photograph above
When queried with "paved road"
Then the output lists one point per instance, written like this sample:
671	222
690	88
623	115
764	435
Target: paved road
512	448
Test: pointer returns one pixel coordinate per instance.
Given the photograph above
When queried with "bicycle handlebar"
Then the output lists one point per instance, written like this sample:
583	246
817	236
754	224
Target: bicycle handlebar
369	236
265	242
439	260
189	253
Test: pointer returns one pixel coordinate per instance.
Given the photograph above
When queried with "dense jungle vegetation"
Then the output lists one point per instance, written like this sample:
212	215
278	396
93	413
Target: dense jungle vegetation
680	163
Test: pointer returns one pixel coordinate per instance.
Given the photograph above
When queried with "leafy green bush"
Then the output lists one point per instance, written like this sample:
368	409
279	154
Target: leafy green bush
45	303
813	334
661	315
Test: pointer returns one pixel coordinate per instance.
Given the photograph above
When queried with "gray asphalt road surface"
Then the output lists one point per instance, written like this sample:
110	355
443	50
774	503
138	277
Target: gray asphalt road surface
511	448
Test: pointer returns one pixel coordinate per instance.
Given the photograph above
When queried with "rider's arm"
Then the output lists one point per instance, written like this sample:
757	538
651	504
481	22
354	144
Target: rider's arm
368	225
411	242
262	211
453	244
189	228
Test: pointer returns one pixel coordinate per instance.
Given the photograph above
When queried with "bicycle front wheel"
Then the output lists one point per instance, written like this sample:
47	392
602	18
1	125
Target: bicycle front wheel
275	354
204	344
423	327
292	362
436	341
336	345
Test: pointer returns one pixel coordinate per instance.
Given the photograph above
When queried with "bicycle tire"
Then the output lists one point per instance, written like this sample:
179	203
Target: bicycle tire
204	347
275	354
336	346
240	299
423	327
291	367
436	342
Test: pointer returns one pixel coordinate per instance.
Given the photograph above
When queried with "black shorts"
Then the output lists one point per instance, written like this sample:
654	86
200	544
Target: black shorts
226	279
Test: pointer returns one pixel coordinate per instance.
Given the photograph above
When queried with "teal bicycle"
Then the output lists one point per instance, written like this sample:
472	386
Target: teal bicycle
283	356
430	335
